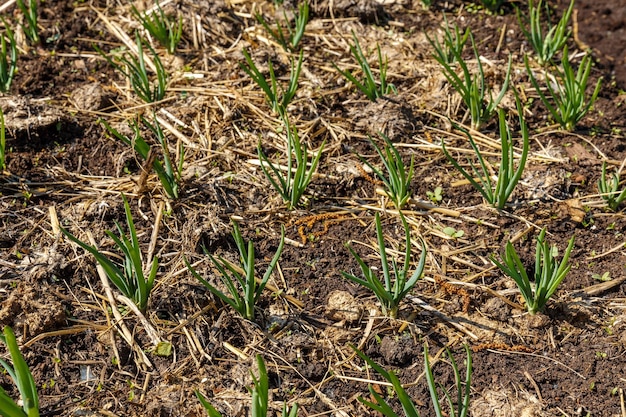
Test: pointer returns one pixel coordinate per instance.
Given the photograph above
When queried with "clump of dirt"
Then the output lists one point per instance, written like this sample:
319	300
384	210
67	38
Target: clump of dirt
33	312
398	350
26	119
386	115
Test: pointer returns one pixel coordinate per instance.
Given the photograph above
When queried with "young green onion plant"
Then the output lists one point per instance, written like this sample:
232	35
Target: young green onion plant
394	288
169	174
129	277
508	175
243	289
211	411
8	67
134	68
260	396
398	178
453	43
463	389
30	16
609	188
548	273
163	28
458	408
291	36
292	181
545	46
278	100
260	390
23	379
473	88
567	90
368	86
3	162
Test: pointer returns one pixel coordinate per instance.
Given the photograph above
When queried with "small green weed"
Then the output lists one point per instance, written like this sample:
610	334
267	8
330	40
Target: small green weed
436	195
453	233
602	278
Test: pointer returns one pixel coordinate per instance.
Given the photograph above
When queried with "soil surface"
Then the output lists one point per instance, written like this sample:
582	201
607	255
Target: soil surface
64	169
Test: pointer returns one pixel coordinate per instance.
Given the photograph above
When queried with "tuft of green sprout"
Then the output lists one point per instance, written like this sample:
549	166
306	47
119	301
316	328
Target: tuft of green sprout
291	183
369	86
208	407
128	277
473	88
548	44
566	99
8	59
243	289
458	408
30	16
548	273
22	378
290	37
134	68
278	100
609	189
169	174
165	30
453	43
3	162
398	178
508	176
394	287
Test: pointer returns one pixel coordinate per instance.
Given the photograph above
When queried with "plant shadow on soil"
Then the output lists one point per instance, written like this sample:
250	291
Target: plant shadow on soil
568	361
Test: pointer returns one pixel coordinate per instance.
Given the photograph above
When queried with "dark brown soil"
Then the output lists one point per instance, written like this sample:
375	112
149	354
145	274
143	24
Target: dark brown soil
61	164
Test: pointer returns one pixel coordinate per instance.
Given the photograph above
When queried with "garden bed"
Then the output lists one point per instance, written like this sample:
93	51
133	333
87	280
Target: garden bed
65	169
